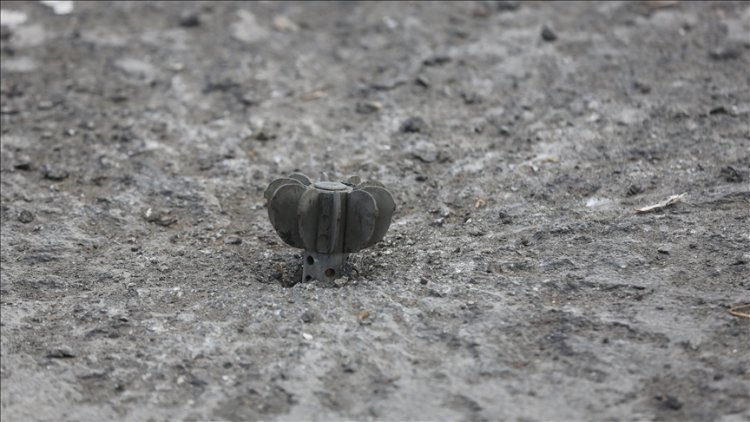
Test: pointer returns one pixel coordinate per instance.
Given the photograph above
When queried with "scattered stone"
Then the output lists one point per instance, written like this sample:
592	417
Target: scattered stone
190	20
341	282
414	125
363	315
369	107
161	218
53	172
423	281
482	10
436	61
725	52
197	382
284	24
205	163
118	97
249	99
232	240
424	151
661	4
314	95
349	367
507	5
247	29
264	136
548	34
471	98
642	87
504	217
633	189
61	352
307	316
731	174
664	250
420	177
422	81
670	402
25	216
45	105
9	110
22	163
137	68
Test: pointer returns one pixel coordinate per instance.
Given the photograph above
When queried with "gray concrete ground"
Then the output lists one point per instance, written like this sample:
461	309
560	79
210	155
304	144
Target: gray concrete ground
141	279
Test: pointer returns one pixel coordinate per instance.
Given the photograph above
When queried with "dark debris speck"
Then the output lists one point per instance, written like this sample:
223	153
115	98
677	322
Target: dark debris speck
414	125
548	34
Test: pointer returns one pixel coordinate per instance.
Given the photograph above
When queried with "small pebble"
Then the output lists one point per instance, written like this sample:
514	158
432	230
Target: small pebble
45	105
670	402
9	110
232	240
368	107
22	163
414	125
61	352
52	172
642	87
731	174
436	61
634	189
307	316
162	218
725	52
190	20
284	24
507	5
25	216
422	81
504	217
341	282
548	35
363	315
349	367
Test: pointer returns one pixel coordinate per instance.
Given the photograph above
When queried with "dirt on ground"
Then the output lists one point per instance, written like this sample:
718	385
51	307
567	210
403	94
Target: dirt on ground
142	280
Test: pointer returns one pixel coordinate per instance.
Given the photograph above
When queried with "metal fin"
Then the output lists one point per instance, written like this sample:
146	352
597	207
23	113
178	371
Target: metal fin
271	189
386	207
309	212
301	178
329	222
361	216
282	211
367	183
